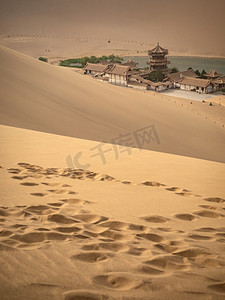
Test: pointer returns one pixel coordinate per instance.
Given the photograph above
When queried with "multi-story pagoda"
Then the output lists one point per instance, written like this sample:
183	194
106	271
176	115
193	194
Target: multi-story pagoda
158	61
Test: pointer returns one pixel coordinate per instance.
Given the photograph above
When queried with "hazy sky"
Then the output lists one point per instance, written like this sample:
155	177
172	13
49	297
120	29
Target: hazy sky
195	24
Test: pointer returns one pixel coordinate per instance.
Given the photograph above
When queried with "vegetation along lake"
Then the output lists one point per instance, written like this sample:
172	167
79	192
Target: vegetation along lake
184	62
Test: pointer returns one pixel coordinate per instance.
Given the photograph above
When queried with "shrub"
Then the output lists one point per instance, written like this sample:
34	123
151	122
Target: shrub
43	59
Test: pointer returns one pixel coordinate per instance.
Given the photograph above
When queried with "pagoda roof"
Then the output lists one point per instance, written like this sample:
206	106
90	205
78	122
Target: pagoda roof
158	50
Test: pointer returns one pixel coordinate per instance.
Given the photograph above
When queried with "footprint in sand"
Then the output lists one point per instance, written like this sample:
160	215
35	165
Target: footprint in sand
150	270
208	207
38	209
185	217
151	237
85	295
192	252
109	246
39	194
184	194
29	183
5	233
113	235
56	204
19	177
58	218
71	229
208	214
51	184
136	227
61	192
199	237
90	218
166	248
74	201
117	281
219	287
215	199
137	251
32	237
14	171
115	225
155	219
92	257
153	183
4	212
205	229
220	234
174	189
168	263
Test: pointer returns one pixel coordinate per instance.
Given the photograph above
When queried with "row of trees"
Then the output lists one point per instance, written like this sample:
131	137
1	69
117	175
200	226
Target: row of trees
198	73
81	62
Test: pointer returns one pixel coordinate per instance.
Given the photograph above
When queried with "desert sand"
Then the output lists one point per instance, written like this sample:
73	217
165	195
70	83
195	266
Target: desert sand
140	225
149	225
143	219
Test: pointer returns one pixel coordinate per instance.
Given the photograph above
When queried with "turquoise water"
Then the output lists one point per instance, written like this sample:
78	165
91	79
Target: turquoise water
183	63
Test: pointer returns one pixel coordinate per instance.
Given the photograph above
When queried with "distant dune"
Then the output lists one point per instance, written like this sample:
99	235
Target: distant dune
191	27
38	96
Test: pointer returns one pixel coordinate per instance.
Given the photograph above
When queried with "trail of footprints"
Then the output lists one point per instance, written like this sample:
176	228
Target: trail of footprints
27	171
161	251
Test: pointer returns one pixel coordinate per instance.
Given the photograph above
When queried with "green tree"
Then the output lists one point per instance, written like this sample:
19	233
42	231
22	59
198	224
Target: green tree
84	61
156	76
159	75
197	73
203	73
93	59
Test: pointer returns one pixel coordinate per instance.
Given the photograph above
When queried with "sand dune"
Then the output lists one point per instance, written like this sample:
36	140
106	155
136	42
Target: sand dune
184	28
45	98
99	246
125	223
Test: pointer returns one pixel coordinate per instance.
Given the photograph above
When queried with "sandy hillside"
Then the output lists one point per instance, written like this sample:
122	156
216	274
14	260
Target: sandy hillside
38	96
148	225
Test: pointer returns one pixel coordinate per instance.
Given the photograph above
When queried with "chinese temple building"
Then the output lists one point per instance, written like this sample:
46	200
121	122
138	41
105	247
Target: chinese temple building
158	59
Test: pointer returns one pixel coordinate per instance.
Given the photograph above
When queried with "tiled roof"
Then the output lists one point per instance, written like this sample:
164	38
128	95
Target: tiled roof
176	77
213	74
195	81
119	70
130	64
220	80
96	67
